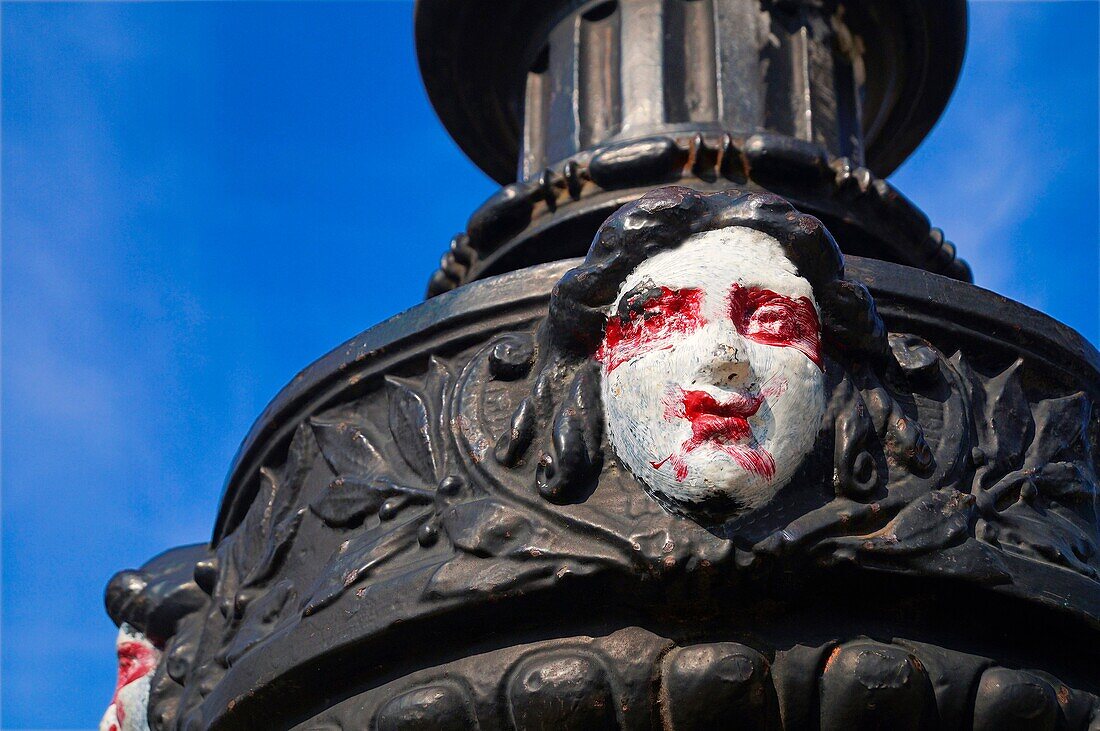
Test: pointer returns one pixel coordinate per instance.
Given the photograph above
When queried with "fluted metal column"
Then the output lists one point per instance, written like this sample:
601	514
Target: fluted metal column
616	70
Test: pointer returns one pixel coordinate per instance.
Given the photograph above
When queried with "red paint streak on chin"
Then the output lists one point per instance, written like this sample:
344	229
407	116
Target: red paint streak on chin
678	464
756	460
721	424
135	661
670	312
769	318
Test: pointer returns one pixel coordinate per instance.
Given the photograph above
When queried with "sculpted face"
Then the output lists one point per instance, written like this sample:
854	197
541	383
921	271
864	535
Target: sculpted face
712	373
137	660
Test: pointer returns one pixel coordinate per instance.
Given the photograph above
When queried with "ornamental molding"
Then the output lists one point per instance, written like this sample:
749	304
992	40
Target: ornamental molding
800	171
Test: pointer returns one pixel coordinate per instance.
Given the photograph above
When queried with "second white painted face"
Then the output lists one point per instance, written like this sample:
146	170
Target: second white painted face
137	661
712	374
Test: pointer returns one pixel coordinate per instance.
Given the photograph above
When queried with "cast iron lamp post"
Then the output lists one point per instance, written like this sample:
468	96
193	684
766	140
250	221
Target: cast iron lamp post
713	474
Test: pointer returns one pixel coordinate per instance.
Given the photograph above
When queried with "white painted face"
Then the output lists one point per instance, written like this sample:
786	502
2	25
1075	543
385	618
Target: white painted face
137	659
712	375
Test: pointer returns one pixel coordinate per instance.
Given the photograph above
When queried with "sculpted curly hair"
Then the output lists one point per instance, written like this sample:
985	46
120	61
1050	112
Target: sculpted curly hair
570	462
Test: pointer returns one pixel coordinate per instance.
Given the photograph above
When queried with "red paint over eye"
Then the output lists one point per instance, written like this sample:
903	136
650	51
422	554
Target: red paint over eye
647	320
770	318
135	661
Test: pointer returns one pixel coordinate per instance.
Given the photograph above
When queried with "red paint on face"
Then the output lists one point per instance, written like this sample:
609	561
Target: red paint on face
135	661
646	325
770	318
723	425
678	464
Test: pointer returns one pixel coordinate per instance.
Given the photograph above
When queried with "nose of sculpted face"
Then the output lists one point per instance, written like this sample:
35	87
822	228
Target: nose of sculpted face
726	363
721	407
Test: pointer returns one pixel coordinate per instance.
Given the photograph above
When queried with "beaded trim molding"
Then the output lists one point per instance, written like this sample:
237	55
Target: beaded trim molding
780	164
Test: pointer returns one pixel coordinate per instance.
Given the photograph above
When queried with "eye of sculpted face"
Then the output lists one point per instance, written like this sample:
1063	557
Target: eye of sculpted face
649	317
712	371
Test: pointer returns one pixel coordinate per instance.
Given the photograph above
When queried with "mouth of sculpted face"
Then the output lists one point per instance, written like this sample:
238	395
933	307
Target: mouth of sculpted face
713	383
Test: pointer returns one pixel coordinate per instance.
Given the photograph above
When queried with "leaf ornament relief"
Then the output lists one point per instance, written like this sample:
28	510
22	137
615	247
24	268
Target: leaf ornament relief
1035	484
344	469
1022	481
402	495
259	553
249	599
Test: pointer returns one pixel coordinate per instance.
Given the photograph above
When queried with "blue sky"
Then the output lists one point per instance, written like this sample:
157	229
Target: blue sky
200	199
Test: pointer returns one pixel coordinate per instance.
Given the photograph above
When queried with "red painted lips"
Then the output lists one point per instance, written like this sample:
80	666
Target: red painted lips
721	424
726	419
